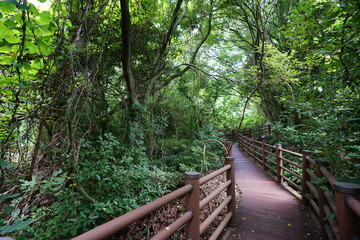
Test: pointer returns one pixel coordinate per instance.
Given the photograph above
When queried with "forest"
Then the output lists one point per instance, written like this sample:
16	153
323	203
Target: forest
105	104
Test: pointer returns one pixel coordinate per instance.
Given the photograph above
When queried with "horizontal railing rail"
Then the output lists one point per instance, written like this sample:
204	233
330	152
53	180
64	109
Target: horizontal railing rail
256	131
190	218
339	219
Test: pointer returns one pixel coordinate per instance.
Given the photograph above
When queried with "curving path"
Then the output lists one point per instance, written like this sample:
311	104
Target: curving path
267	210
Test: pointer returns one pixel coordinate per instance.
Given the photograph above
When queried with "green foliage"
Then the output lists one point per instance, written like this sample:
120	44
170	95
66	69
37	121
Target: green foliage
289	136
328	142
187	155
116	184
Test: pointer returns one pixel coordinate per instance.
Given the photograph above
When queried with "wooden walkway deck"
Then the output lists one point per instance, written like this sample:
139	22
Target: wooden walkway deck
267	210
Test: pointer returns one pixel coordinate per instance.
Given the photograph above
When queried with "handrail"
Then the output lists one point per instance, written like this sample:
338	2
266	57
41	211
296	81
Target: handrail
211	196
123	221
221	226
191	218
214	214
338	219
172	228
255	131
354	204
213	174
292	153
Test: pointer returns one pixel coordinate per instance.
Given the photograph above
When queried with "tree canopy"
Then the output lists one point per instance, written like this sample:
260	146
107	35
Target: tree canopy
107	102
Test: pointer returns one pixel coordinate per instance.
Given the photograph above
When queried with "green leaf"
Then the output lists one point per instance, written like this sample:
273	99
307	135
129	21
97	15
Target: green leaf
8	113
44	49
354	155
10	24
15	212
45	18
33	9
18	225
330	215
5	48
20	6
37	63
7	34
324	188
7	196
6	7
319	180
16	64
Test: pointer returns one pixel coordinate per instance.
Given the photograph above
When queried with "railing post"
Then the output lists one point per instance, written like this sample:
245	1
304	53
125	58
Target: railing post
193	204
230	175
348	221
230	148
269	129
305	177
264	156
240	136
253	150
322	199
279	163
246	140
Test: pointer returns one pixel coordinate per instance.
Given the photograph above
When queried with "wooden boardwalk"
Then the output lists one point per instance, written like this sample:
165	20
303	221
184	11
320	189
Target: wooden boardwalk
267	210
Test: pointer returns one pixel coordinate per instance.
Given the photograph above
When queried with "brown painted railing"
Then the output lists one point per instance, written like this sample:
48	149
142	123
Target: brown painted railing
191	217
336	203
256	131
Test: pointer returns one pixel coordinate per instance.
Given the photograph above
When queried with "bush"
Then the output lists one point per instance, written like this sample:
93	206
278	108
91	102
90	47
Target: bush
101	187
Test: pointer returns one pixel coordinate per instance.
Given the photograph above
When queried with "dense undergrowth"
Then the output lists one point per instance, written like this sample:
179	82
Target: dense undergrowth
338	145
109	181
338	149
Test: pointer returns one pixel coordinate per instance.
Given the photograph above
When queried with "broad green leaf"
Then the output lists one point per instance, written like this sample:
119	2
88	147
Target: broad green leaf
6	7
5	49
8	113
38	31
31	47
7	34
5	31
45	17
41	45
10	24
18	225
7	196
37	63
33	9
15	212
20	6
27	66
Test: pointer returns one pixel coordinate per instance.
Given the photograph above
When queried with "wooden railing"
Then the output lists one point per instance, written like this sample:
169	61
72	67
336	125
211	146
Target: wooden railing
336	203
256	131
190	218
